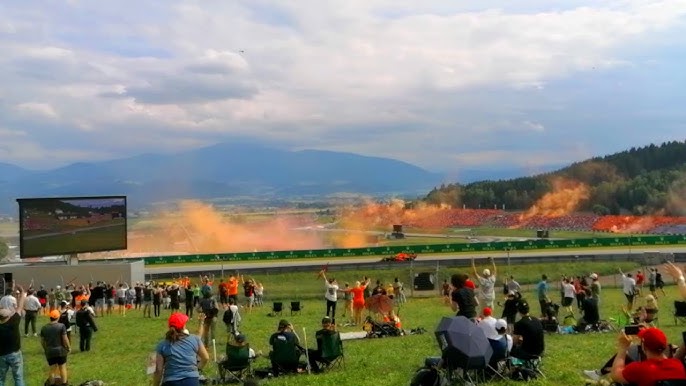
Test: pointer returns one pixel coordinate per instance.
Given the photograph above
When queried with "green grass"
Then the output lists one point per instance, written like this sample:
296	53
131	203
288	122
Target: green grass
121	345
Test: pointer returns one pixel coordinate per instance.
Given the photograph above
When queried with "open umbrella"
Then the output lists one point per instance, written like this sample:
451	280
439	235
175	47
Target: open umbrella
379	303
463	344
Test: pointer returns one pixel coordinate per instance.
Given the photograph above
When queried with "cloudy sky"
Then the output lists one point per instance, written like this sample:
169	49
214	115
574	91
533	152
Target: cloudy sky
442	84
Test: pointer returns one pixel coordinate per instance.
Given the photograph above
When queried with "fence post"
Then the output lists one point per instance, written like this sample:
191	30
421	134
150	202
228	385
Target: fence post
411	278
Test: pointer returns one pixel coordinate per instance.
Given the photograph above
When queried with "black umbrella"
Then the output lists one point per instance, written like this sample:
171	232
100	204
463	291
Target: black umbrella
463	344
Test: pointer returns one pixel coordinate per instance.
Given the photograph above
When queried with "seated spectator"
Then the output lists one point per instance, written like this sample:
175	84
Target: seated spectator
285	349
501	343
589	308
487	324
392	319
656	366
528	335
315	355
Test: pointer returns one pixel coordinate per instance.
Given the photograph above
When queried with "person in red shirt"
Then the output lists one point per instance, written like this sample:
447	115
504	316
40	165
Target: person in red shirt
640	279
358	301
233	289
657	366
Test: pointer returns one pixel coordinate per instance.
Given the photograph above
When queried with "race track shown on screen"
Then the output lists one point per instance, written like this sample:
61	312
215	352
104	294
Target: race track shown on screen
57	226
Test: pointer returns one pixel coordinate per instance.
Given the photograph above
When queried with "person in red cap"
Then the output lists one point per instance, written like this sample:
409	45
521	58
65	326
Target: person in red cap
176	362
656	366
56	347
487	324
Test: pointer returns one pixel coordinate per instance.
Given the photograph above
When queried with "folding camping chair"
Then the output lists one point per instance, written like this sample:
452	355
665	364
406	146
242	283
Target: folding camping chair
285	357
237	366
296	307
332	352
277	308
679	312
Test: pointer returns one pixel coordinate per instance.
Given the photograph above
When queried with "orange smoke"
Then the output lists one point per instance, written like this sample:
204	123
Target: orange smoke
199	228
563	200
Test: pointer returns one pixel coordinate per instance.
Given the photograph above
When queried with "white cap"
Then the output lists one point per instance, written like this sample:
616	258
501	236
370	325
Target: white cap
594	276
500	323
58	287
487	272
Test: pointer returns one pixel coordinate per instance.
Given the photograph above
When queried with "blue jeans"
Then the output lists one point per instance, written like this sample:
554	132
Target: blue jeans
183	382
15	362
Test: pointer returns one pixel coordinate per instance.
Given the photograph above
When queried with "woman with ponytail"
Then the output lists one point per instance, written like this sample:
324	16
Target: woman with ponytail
180	356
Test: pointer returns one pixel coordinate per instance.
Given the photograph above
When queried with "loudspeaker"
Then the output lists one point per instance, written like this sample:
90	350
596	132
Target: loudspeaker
539	233
424	281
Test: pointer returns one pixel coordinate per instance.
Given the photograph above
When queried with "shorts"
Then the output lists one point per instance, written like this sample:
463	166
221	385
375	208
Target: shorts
100	302
358	305
251	300
110	302
147	303
566	302
121	301
57	361
652	287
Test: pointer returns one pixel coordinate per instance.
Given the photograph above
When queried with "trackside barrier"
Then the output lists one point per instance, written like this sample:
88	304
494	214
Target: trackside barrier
501	246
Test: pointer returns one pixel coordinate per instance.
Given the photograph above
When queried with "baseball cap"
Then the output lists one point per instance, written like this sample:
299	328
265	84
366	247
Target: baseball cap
240	338
326	320
653	339
64	303
500	324
487	311
487	272
469	284
54	314
177	320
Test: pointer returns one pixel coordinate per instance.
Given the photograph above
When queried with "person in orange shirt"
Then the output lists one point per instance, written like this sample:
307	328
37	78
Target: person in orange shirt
358	300
233	289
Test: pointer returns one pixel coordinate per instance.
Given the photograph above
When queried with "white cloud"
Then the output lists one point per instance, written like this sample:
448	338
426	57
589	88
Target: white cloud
380	77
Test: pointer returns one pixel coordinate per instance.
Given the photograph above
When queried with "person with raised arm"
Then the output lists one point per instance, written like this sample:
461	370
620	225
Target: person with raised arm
180	356
487	283
331	296
11	358
629	289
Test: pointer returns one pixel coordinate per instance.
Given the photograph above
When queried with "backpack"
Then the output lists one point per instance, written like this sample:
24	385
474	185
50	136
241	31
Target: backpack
64	319
228	317
211	310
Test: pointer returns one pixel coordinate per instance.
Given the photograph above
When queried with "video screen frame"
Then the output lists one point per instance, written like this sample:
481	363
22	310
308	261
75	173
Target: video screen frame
72	242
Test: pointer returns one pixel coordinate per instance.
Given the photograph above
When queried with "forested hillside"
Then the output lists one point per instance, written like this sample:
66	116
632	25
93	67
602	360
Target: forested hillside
640	181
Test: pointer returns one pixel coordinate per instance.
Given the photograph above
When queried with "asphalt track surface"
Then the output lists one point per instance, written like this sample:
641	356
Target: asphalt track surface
188	268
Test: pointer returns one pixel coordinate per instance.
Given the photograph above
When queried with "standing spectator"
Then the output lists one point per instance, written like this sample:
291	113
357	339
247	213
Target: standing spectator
173	291
110	293
9	301
210	310
147	300
56	348
249	292
331	296
510	309
121	297
399	291
629	289
52	303
138	289
595	287
348	298
59	295
569	295
640	279
180	356
31	307
86	325
196	295
157	300
578	292
97	298
462	299
445	290
652	280
259	293
358	300
512	285
232	319
10	339
233	288
66	316
487	283
223	292
542	292
190	299
42	295
660	283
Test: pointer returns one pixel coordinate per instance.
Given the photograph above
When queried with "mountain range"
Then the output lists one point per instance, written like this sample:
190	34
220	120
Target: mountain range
222	170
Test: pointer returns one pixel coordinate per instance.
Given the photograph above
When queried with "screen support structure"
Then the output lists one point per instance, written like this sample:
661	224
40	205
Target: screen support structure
72	259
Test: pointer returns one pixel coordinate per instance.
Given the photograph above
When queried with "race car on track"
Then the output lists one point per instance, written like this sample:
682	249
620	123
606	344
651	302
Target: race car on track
402	256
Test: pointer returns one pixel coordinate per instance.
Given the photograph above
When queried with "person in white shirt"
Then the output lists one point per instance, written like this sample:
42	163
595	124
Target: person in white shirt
487	283
629	289
9	301
31	307
569	294
501	327
331	296
487	324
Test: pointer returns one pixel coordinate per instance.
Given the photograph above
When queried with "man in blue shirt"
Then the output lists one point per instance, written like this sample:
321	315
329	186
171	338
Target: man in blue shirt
542	291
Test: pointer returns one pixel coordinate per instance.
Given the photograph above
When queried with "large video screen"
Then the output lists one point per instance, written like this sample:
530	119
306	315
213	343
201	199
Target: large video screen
68	225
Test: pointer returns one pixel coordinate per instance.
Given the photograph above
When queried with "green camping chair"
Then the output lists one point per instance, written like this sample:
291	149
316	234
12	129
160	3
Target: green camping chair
285	357
332	352
238	365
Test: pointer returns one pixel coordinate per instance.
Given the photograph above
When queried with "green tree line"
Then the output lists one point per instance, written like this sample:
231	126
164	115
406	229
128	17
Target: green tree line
646	180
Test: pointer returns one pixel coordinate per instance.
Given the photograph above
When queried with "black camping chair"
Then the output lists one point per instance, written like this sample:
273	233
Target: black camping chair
296	307
679	312
332	352
277	308
285	357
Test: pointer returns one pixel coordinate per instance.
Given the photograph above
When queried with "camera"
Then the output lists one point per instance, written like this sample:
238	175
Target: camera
632	330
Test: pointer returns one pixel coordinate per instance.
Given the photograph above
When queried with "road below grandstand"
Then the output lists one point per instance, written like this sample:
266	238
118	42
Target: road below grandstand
502	257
